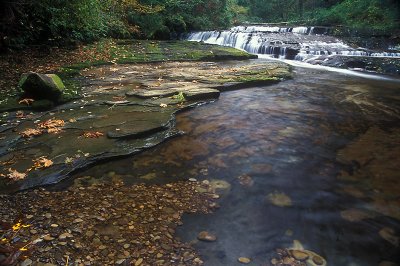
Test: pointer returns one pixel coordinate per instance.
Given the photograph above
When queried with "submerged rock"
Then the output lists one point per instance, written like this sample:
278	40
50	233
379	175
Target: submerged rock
355	215
297	255
279	199
206	236
244	260
389	235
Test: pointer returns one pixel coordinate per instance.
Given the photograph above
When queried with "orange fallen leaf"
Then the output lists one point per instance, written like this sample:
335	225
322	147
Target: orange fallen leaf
51	123
54	130
91	134
40	163
30	132
26	101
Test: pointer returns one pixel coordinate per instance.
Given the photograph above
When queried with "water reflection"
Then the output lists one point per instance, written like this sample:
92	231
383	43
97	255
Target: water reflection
277	148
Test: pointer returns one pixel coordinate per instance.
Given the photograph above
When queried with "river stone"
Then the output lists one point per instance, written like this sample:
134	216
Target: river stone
42	86
244	260
121	261
246	180
48	238
26	262
299	255
201	94
318	260
279	199
389	235
291	53
206	236
219	186
139	262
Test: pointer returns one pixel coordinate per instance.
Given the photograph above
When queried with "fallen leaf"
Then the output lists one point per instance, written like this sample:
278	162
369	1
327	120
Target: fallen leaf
15	175
54	130
69	160
91	134
51	123
40	163
30	132
20	114
26	101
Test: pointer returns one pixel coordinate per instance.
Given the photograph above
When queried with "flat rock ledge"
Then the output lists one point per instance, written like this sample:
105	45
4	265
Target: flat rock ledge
125	109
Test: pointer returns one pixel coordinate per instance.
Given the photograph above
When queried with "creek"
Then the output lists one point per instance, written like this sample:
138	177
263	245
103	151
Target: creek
307	164
313	159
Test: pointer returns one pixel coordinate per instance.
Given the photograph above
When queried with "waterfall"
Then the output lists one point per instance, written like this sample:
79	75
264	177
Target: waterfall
295	43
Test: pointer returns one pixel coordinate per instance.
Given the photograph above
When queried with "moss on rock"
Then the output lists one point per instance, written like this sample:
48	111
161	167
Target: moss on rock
42	86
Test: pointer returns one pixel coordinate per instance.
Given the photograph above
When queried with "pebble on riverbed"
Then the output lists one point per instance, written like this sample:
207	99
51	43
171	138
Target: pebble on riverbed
108	224
206	236
244	260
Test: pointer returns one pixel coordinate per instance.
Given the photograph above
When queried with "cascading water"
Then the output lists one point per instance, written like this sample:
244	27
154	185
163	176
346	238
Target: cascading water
298	43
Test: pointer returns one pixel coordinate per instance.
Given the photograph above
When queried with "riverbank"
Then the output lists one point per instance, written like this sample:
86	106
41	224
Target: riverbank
126	225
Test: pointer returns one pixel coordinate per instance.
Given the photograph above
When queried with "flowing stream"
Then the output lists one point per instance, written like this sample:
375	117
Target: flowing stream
313	159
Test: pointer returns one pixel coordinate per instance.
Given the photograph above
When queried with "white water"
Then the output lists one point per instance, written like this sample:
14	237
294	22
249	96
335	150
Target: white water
299	43
349	72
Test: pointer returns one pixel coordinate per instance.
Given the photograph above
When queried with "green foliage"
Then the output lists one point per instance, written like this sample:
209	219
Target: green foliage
360	14
179	16
180	97
382	15
61	21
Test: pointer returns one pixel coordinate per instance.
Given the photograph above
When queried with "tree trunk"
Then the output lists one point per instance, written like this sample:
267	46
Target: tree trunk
301	7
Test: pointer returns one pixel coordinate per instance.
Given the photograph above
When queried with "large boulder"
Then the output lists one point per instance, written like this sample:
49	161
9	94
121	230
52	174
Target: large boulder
42	86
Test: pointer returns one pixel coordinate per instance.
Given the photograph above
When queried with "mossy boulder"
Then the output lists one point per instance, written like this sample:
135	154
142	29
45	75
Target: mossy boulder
42	86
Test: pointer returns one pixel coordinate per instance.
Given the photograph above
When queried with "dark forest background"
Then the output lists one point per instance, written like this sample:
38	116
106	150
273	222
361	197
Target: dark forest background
61	22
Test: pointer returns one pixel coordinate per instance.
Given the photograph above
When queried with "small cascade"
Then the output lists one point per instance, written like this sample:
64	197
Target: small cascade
293	43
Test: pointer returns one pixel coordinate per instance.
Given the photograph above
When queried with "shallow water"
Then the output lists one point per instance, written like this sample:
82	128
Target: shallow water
291	140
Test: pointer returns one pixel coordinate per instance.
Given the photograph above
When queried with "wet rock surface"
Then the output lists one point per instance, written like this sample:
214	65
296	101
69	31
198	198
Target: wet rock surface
124	110
369	170
103	224
380	65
